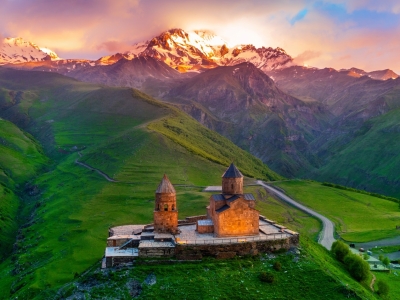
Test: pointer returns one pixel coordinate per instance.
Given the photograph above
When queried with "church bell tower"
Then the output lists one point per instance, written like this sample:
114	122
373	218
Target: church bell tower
165	210
232	181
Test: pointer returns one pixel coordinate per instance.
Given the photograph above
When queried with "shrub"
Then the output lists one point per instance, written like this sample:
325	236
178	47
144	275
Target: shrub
277	266
267	277
366	256
357	267
340	250
383	288
386	261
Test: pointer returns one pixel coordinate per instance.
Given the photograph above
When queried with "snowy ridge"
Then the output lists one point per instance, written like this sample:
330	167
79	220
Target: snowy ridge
17	50
202	49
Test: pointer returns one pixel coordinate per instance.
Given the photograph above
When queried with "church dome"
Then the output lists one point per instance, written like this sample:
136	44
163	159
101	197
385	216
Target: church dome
165	186
232	172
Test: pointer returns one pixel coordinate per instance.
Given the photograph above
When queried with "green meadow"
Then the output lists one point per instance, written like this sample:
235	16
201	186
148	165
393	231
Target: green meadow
124	133
357	217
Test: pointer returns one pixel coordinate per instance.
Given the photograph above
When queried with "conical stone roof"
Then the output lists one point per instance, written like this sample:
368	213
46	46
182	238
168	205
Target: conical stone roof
232	172
165	186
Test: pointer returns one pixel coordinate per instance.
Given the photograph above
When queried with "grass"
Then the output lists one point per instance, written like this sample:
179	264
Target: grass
387	249
358	217
9	204
21	158
285	214
393	280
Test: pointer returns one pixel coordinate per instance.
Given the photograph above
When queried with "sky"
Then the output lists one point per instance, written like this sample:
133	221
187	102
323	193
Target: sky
335	33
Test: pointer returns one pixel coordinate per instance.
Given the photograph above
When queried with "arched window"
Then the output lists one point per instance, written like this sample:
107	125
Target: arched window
166	207
232	186
173	206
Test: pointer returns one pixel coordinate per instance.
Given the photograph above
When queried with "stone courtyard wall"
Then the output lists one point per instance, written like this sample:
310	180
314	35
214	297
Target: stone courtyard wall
192	220
191	252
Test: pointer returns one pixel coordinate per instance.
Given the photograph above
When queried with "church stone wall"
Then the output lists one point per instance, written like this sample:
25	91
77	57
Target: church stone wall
238	220
232	186
166	221
156	252
168	199
165	213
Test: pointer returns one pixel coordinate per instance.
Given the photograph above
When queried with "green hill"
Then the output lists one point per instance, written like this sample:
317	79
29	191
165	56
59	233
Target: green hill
126	134
21	159
370	160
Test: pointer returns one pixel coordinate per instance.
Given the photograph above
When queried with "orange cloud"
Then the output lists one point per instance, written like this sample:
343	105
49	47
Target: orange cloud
92	28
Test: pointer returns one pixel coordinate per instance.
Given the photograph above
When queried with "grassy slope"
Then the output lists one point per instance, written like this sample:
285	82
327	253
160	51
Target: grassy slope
109	127
393	280
358	217
21	158
230	279
370	161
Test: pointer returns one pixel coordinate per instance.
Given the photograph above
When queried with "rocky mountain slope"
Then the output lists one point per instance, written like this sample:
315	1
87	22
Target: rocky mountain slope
143	72
244	104
335	89
359	147
378	75
17	50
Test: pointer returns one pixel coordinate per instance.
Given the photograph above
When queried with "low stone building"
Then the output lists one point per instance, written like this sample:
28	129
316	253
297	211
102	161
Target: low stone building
232	226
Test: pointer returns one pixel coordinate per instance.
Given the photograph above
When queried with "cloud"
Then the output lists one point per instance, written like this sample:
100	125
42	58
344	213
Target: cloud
392	6
300	16
360	29
306	56
114	46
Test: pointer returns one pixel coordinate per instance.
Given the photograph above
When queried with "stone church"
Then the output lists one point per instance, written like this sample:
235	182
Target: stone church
231	213
231	227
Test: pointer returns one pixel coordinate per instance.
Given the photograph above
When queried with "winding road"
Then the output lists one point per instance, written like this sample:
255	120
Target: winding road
326	237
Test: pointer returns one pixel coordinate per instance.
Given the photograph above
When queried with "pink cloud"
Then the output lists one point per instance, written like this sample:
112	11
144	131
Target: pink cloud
306	56
114	46
92	28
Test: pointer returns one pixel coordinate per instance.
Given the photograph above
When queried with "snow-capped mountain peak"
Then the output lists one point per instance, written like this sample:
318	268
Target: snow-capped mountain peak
17	50
51	53
203	49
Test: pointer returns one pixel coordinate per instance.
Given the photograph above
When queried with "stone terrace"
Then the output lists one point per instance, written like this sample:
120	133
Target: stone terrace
188	234
268	231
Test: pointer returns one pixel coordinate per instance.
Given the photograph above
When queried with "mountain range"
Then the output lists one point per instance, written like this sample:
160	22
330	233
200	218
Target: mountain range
301	121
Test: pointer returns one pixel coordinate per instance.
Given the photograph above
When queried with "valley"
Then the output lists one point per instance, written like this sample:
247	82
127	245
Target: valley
303	122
